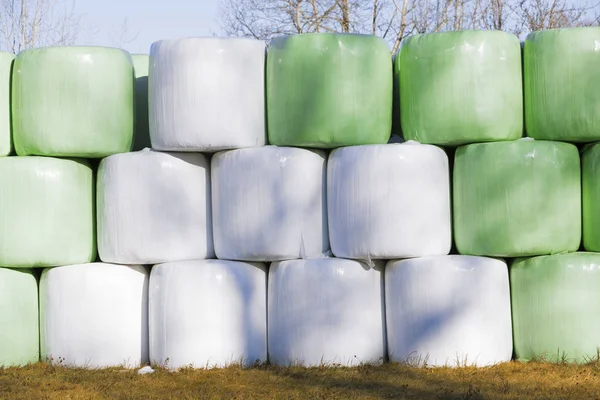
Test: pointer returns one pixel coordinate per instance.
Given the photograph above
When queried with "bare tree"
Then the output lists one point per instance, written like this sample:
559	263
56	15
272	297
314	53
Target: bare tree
33	23
123	34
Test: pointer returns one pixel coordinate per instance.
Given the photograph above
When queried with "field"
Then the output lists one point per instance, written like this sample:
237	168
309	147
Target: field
512	380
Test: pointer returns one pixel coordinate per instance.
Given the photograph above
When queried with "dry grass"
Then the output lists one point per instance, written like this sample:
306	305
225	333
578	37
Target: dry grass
507	381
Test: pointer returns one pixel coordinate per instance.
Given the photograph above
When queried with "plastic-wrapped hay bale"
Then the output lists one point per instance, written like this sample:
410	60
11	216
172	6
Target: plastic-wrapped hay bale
448	310
591	197
94	315
329	90
154	207
562	84
19	336
46	212
517	198
142	132
460	87
555	302
207	94
73	101
324	312
6	63
208	313
388	201
269	204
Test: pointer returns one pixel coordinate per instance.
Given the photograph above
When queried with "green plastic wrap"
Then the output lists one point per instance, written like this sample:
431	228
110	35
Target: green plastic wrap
73	102
556	304
591	197
562	84
460	87
329	90
46	212
6	63
142	132
514	199
19	333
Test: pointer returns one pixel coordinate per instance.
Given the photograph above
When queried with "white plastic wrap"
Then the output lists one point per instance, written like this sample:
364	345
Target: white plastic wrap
94	315
269	204
448	310
154	207
208	313
207	94
389	201
324	312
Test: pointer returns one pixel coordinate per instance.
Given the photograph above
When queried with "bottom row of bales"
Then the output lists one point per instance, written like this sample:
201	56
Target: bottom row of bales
442	310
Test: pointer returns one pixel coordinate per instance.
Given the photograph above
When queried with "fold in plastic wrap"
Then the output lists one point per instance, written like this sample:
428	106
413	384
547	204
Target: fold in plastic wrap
73	101
329	90
207	94
208	313
324	312
556	303
562	84
6	63
517	198
460	87
389	201
94	315
154	207
448	310
19	336
141	64
46	212
269	204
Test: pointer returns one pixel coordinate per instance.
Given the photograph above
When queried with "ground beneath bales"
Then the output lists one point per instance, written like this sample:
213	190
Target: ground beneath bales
506	381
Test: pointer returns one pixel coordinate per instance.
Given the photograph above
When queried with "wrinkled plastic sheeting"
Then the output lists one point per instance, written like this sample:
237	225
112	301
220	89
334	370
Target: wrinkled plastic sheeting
141	64
517	198
19	336
73	101
325	312
269	204
562	84
328	90
46	212
591	197
556	303
448	311
94	315
460	87
208	313
207	94
389	201
6	63
154	207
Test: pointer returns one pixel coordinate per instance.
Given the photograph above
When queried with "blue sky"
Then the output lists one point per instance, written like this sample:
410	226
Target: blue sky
152	20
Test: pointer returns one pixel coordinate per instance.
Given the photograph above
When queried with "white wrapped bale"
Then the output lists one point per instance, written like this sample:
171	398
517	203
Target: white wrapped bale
208	313
324	312
6	63
94	315
19	320
46	212
269	204
389	201
154	207
207	94
448	310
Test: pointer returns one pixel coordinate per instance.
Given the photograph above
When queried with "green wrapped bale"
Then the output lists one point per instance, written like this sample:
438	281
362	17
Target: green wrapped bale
142	132
19	333
329	90
516	199
6	63
562	84
556	304
73	102
460	87
46	212
591	197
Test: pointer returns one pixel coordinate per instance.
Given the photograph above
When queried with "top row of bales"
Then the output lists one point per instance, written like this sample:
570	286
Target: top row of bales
320	91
